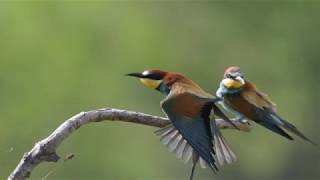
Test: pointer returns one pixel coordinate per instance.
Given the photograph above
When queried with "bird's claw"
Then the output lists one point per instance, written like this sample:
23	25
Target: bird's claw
243	120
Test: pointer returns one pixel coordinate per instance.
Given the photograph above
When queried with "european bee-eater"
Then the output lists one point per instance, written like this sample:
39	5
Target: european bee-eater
191	133
243	99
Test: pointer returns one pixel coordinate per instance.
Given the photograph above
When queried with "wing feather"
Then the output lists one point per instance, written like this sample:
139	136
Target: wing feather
193	128
259	99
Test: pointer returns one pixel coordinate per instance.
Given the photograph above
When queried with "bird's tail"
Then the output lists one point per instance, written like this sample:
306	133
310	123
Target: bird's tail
224	154
289	127
195	159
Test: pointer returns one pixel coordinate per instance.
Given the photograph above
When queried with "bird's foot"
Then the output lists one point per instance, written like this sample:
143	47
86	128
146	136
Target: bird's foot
243	120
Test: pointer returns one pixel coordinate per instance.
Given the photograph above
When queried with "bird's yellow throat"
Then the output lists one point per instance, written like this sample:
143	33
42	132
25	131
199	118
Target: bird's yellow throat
230	83
151	83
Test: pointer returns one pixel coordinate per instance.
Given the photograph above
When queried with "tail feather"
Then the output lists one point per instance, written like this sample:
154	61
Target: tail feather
224	153
275	129
290	127
275	123
202	163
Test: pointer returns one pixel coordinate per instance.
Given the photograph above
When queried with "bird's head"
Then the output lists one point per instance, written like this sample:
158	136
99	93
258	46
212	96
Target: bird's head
233	78
155	79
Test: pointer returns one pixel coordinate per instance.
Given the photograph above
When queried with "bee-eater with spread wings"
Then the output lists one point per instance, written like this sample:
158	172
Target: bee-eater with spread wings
243	99
191	134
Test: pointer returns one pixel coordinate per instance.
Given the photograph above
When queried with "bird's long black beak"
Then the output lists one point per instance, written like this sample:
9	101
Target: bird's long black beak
138	75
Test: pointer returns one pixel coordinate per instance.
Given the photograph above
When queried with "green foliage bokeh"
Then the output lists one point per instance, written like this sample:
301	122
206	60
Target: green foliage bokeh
58	58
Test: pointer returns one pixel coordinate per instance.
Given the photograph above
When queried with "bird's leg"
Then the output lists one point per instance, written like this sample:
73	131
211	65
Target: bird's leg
238	116
194	164
192	171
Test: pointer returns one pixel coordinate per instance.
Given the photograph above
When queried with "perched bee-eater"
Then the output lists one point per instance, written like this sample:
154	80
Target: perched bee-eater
243	99
191	134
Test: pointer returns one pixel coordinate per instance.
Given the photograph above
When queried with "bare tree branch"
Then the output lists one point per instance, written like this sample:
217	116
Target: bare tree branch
45	150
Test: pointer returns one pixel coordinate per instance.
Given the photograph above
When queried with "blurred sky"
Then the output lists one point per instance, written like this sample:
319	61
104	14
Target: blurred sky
58	58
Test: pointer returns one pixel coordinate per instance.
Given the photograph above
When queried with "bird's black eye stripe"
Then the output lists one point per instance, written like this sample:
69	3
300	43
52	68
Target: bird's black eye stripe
234	76
153	76
230	76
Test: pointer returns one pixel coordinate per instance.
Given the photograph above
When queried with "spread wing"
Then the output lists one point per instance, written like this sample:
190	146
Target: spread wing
184	111
170	137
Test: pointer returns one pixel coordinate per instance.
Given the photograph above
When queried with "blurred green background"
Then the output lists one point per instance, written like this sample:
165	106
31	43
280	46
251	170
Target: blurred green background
58	58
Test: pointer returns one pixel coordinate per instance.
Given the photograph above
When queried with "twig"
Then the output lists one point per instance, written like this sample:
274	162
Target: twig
66	158
45	150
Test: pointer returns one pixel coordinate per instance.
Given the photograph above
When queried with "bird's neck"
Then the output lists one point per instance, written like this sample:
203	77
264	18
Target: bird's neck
223	91
164	89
